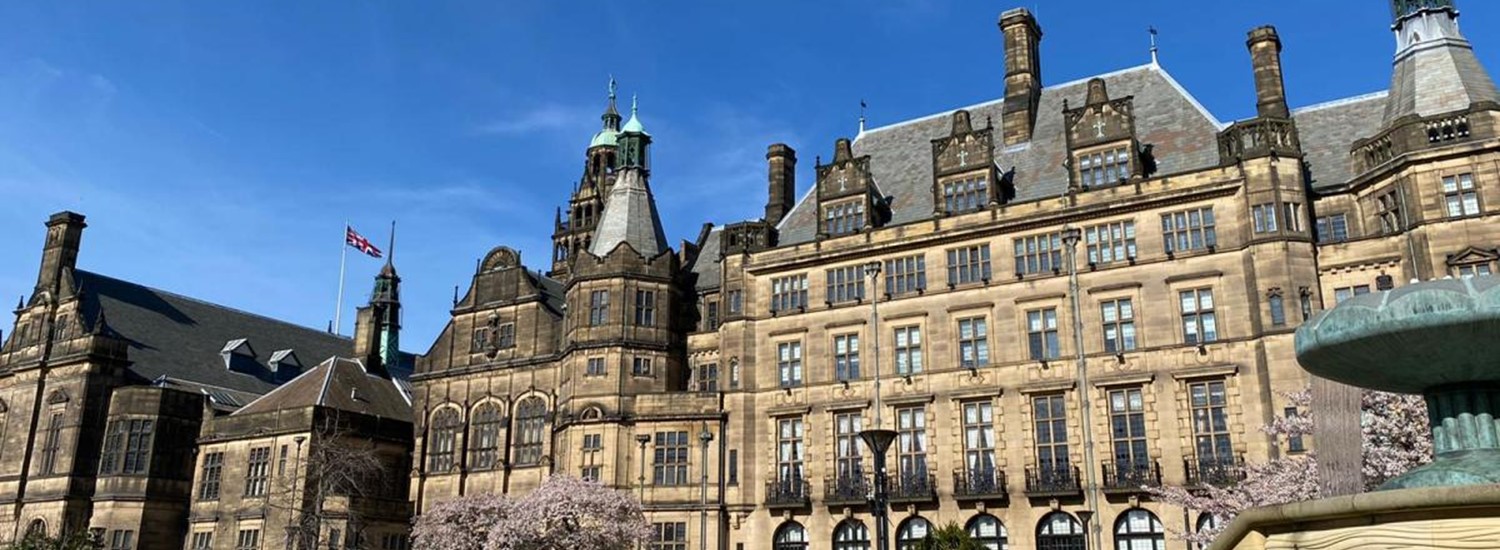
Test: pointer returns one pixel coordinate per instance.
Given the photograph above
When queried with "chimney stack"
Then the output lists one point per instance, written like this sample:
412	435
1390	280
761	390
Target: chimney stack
781	160
64	234
1265	56
366	346
1023	75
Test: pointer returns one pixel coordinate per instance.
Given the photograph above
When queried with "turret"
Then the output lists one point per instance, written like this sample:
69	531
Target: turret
377	326
634	142
1435	69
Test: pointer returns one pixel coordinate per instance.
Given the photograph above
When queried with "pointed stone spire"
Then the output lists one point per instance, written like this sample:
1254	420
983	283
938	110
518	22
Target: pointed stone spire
1435	67
100	323
630	217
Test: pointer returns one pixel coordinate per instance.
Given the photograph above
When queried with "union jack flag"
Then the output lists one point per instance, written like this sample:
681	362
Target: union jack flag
359	242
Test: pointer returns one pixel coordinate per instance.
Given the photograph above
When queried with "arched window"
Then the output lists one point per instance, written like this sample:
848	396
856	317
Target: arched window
1206	522
790	536
37	528
486	437
1059	531
441	440
531	426
910	533
1139	529
851	535
987	530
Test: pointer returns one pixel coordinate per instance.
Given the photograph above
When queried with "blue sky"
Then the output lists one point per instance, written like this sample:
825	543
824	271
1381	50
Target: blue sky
218	147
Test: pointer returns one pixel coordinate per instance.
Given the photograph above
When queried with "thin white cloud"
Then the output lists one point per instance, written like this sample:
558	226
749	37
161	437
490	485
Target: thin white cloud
544	118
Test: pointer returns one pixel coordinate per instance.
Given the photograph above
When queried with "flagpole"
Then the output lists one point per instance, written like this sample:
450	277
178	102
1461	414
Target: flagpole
339	305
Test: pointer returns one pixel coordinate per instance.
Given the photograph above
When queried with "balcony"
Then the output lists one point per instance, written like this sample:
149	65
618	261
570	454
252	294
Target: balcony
1215	471
916	486
846	490
1053	481
1131	477
985	484
787	493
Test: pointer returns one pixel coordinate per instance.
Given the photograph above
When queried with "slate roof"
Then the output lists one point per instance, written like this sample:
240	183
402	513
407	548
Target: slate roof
338	383
1183	132
1329	129
708	266
629	217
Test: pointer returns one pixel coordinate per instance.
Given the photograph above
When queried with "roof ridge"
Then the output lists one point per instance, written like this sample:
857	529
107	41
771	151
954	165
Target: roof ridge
1343	101
279	387
333	363
215	305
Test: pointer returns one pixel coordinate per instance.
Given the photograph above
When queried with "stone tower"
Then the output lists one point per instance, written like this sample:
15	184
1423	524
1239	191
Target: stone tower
573	230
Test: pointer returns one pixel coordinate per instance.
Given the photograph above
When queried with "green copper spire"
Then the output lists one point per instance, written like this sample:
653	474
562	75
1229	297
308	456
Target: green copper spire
386	299
1403	8
634	124
611	117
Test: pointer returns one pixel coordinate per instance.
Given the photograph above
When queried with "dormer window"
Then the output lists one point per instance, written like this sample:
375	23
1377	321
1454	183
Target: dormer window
1102	168
844	217
965	195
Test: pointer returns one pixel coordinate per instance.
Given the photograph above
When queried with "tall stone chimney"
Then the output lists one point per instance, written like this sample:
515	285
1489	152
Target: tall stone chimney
1265	57
1023	74
781	160
60	252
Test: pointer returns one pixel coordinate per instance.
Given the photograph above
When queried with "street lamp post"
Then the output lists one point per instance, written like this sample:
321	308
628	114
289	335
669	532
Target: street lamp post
705	437
640	484
877	439
1071	236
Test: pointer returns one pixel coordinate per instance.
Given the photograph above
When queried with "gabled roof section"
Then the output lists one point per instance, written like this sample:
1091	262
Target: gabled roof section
182	338
1329	130
707	265
1166	116
341	384
629	217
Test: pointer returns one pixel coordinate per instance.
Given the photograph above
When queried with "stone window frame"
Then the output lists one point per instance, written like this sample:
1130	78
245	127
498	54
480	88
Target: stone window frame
1125	317
913	443
258	472
530	426
1095	164
907	357
845	217
645	307
1053	445
979	341
970	453
848	465
968	264
1189	230
598	307
670	458
595	366
1205	319
790	466
486	424
1293	216
642	366
127	446
1328	231
444	428
844	353
788	292
964	194
1263	217
1276	307
1388	210
844	284
905	275
1139	455
1465	197
1105	242
670	535
1228	411
592	446
210	477
1043	340
1039	253
790	359
1346	292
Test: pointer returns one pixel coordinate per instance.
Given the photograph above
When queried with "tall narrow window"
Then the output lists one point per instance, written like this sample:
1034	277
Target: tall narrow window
789	450
598	307
736	302
733	476
1264	217
911	428
114	440
969	264
505	336
789	363
908	350
1041	334
137	446
442	440
593	445
1119	325
846	356
1127	430
1388	211
1278	309
1294	443
202	540
281	460
645	308
1039	253
486	442
1210	423
845	284
979	441
670	458
905	275
213	469
711	314
531	428
1110	242
1188	230
847	455
1292	219
973	344
1049	415
1199	325
1459	195
257	472
788	293
481	338
52	444
708	377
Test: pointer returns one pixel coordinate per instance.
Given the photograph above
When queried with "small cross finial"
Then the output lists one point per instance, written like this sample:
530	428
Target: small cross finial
1152	31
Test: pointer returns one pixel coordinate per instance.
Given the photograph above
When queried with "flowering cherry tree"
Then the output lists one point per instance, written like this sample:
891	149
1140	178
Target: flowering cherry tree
565	513
1396	439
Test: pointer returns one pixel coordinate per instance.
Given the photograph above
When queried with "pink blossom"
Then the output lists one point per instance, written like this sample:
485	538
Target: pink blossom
565	513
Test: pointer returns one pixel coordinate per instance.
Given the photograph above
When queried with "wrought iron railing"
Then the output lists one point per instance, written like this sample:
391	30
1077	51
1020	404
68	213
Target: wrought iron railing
1131	475
787	493
1219	471
914	486
1053	481
978	483
846	489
